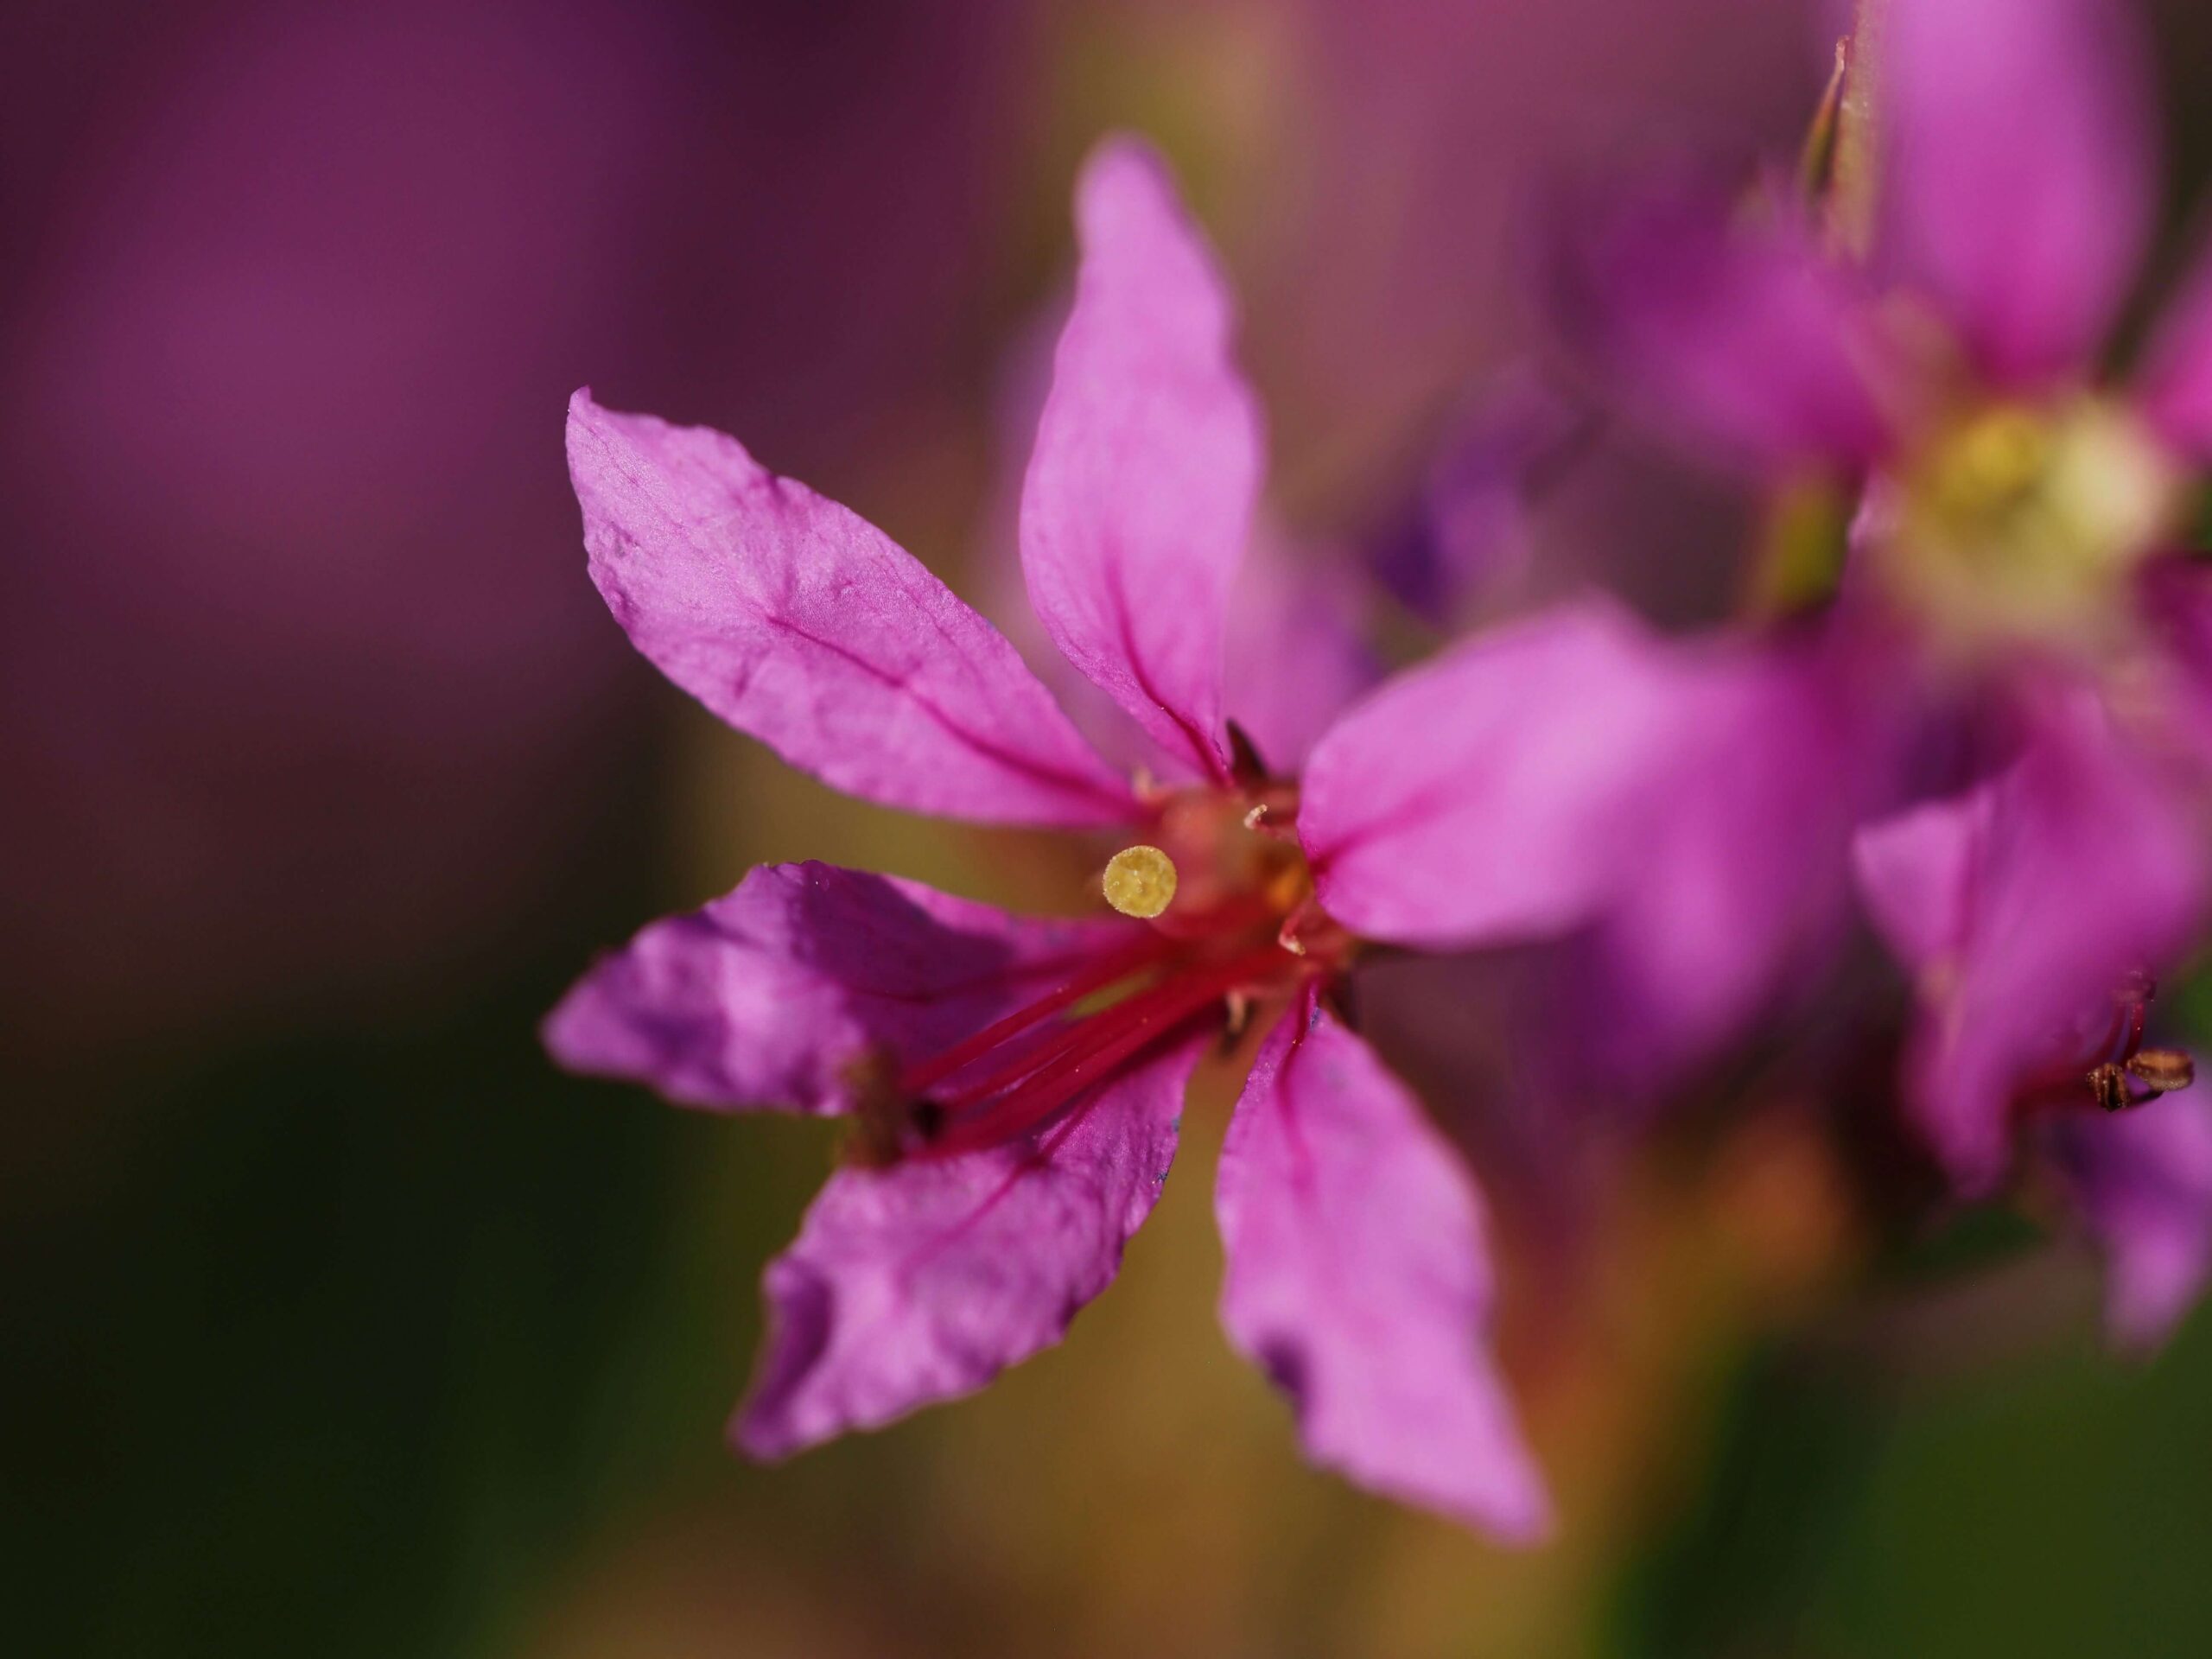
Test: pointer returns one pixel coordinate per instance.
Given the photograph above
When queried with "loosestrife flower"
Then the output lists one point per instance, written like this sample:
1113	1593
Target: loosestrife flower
2017	648
1016	1084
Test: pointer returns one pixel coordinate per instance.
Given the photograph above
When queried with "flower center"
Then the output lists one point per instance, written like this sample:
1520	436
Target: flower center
1228	901
2017	521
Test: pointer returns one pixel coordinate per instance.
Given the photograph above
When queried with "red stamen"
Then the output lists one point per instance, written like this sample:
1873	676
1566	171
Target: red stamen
1096	977
1091	1048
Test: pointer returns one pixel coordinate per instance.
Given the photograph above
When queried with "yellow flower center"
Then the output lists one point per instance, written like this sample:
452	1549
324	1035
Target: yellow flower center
2017	521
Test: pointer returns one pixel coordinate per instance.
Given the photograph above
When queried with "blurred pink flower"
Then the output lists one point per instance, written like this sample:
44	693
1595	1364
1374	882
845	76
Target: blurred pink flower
2012	631
2022	908
1013	1133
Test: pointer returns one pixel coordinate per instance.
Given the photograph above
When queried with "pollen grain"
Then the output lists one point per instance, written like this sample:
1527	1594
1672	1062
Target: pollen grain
1139	881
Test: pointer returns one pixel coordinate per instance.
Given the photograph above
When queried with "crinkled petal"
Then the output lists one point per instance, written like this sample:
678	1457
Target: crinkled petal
2176	388
1140	488
798	989
1740	336
2078	867
1495	793
2022	171
799	622
920	1283
2143	1183
1358	1278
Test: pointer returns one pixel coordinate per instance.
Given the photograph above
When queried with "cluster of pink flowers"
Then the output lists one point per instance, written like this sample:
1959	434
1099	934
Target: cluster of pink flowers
1982	723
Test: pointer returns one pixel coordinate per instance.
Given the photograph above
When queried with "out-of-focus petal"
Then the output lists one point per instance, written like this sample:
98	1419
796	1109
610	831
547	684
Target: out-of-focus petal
800	623
2142	1182
2022	171
1740	336
1358	1278
1495	793
2175	610
1468	532
921	1282
2078	868
2176	387
1915	871
1297	646
1140	488
1737	881
798	988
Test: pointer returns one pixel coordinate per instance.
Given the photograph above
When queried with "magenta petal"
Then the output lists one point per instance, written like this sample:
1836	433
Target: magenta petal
2022	175
2024	905
1359	1280
1497	792
1140	488
794	990
1915	873
921	1283
800	623
1743	338
2175	390
2143	1183
1296	648
1737	879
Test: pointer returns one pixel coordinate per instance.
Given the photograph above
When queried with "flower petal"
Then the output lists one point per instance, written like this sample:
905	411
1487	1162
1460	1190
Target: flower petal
1140	488
790	991
2142	1182
2074	869
1469	531
1743	338
1359	1280
921	1282
1737	881
2176	388
799	622
1915	873
1494	793
1297	646
2022	173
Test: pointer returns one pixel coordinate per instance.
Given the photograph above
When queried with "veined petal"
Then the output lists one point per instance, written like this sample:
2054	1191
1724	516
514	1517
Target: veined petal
1359	1280
1495	793
1140	488
798	989
1740	336
2143	1183
800	623
2175	390
2021	175
2043	892
920	1283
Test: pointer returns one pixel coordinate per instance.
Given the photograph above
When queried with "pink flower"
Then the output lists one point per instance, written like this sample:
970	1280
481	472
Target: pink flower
2017	657
2024	908
1016	1083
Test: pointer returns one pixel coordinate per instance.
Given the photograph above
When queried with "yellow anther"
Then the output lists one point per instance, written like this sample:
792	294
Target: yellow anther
1139	881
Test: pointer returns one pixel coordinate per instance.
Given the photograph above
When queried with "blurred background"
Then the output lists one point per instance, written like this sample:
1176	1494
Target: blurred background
333	1321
